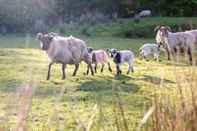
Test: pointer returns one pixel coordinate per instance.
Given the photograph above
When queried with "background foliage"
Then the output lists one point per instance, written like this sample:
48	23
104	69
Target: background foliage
39	15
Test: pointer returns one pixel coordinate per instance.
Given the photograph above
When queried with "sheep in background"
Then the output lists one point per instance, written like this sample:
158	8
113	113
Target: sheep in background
173	42
144	13
149	49
99	57
120	57
64	50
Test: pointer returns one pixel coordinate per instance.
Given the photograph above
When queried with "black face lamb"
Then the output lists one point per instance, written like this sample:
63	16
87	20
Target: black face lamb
120	57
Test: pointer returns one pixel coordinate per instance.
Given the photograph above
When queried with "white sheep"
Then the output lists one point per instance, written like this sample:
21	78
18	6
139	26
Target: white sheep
64	50
149	49
194	32
144	13
99	57
120	57
173	42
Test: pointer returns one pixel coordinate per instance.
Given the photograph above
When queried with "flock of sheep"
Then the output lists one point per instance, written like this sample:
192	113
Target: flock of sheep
71	50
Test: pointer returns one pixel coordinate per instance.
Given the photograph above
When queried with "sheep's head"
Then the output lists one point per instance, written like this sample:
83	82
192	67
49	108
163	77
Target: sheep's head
112	52
162	34
45	40
90	49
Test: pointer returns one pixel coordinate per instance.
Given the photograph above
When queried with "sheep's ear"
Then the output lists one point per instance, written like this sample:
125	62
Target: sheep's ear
157	28
53	34
39	36
108	50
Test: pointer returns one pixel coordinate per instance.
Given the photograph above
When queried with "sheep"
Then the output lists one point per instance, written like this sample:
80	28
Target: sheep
120	57
144	13
173	41
194	32
99	57
64	50
150	49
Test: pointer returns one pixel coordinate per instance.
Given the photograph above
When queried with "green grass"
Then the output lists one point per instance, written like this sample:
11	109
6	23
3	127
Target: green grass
146	25
130	29
69	104
20	59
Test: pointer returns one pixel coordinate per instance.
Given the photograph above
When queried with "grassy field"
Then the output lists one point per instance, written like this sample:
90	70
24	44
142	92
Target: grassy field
100	102
129	28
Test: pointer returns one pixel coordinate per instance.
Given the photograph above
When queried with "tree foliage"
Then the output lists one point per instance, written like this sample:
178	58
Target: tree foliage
24	15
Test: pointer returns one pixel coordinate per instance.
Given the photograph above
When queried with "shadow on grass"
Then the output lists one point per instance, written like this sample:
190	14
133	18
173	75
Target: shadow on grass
106	84
155	80
147	78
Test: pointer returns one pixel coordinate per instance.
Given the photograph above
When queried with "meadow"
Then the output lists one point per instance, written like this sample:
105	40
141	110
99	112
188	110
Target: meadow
101	102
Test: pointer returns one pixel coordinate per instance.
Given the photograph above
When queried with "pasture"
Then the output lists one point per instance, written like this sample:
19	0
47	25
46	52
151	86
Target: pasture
100	102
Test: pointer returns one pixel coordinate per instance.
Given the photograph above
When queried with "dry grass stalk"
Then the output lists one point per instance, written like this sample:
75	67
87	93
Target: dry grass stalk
120	110
25	104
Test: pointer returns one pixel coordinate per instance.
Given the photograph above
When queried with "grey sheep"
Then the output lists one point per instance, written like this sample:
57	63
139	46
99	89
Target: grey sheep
184	41
64	50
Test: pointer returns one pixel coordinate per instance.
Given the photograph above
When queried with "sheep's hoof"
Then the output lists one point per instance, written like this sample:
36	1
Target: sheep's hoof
119	73
74	75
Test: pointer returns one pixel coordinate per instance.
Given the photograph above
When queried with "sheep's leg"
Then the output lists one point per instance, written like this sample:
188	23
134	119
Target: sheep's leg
156	57
109	67
63	71
168	53
146	58
118	69
88	68
95	68
91	69
190	56
76	69
132	69
129	68
49	71
103	65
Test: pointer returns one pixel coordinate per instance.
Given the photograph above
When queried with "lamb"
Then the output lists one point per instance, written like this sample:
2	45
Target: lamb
171	42
99	57
64	50
120	57
150	49
194	32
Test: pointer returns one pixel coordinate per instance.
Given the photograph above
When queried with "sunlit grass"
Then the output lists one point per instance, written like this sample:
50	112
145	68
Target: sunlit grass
69	104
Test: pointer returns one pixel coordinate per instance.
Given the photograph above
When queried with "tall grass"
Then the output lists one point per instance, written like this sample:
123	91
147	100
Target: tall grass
176	112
